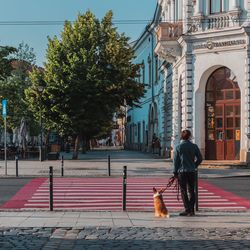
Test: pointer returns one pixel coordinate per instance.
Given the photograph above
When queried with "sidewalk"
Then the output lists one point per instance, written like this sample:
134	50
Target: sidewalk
35	219
95	163
74	230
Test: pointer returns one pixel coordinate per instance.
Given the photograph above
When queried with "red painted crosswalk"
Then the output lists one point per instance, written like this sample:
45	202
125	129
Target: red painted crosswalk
99	194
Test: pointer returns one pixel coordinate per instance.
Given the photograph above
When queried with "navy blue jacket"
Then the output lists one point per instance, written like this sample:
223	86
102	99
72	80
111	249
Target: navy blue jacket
187	157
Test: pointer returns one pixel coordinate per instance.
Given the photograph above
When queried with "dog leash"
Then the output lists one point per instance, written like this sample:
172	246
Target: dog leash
173	181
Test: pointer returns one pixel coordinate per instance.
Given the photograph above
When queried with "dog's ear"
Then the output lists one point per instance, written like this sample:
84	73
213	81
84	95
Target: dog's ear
154	190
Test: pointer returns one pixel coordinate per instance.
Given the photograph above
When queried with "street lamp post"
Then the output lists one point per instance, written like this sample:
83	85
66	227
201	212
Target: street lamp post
41	155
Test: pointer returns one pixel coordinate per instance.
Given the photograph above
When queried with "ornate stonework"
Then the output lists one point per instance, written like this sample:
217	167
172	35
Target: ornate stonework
168	50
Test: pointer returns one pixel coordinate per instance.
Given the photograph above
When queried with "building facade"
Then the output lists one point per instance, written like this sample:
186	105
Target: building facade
203	47
148	120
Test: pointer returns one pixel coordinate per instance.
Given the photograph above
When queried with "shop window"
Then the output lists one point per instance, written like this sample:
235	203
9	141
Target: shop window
229	94
219	122
237	122
210	85
219	135
229	122
211	135
219	95
229	134
237	110
229	110
219	110
210	96
237	94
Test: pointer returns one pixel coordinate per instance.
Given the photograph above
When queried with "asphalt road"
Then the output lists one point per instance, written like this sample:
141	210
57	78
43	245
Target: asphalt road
237	185
9	187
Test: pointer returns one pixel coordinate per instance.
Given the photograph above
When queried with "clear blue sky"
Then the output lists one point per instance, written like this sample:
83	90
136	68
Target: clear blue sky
60	10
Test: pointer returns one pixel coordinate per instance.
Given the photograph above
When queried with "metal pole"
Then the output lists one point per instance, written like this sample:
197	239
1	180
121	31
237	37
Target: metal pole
16	165
41	133
124	188
196	191
5	144
62	172
51	188
109	165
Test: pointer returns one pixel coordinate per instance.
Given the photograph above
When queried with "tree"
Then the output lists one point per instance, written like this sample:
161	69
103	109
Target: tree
5	61
12	86
88	74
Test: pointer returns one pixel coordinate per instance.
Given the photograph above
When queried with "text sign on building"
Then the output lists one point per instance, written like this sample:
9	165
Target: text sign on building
219	44
4	108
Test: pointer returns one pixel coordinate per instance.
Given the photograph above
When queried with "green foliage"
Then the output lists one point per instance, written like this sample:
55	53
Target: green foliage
88	74
5	61
13	85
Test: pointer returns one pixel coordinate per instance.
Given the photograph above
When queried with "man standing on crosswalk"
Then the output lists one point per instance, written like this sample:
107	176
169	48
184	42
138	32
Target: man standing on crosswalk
187	158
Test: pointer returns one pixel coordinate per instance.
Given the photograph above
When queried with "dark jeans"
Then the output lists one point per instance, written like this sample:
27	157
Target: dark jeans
187	185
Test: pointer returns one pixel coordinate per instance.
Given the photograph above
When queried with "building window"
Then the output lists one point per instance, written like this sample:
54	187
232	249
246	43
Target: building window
149	72
218	6
143	71
156	69
215	6
176	10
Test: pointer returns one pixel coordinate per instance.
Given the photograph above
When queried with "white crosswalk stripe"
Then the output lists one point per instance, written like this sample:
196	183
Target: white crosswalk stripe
106	194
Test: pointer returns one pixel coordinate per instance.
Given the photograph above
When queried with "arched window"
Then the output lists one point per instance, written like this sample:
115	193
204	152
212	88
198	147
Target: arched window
223	117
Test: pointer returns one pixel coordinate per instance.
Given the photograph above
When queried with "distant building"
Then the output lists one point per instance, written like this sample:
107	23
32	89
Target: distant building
201	81
154	115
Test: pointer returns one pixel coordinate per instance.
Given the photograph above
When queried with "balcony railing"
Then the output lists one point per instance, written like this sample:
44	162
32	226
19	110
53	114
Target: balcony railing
215	21
169	31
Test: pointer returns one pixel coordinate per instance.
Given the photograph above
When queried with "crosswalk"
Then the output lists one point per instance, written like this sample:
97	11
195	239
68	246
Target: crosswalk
105	194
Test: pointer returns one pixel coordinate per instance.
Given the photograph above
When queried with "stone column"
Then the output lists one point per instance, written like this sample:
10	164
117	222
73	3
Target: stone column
175	111
187	102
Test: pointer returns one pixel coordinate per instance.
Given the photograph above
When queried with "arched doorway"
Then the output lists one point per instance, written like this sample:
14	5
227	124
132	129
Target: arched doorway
222	116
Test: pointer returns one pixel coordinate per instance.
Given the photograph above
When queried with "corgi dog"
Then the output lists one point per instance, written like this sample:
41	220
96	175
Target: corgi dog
160	208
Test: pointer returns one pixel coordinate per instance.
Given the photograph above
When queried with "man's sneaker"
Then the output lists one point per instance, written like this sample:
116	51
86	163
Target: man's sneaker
184	213
191	214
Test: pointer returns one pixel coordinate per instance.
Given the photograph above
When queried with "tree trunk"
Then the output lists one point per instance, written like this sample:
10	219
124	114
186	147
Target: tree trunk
76	148
84	148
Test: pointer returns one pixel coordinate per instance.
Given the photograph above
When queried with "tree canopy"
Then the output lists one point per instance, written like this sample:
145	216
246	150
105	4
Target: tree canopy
14	67
5	61
88	74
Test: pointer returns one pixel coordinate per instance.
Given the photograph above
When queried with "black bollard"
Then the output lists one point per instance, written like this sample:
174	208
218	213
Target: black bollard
196	191
109	165
124	188
16	165
62	164
51	188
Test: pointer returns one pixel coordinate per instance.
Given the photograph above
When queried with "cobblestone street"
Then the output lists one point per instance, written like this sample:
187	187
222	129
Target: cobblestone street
124	238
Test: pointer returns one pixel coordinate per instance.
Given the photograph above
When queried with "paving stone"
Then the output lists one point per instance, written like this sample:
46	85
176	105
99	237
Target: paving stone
124	238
